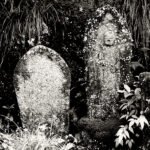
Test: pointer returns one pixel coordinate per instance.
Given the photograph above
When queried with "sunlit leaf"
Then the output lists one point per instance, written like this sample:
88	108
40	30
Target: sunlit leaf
126	133
131	129
118	143
142	121
134	116
120	139
130	144
122	134
121	143
132	122
127	88
121	91
120	131
124	116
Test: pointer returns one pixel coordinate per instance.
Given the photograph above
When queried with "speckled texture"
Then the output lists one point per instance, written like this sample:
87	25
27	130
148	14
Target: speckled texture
42	82
108	49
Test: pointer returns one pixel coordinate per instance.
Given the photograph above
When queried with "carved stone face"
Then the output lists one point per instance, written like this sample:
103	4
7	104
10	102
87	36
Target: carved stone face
108	17
109	38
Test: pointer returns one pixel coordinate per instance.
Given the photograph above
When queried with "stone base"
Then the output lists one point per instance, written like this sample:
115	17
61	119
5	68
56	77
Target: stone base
98	129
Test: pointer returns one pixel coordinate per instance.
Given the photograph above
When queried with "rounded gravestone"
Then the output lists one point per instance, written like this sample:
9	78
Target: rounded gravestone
42	85
108	51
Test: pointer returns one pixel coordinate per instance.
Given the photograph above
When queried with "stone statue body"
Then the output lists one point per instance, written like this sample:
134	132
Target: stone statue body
104	69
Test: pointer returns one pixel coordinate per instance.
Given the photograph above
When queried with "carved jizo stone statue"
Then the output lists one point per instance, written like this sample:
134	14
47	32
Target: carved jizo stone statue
108	51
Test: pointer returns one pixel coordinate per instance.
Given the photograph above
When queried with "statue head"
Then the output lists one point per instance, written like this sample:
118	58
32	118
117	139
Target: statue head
108	17
108	30
109	38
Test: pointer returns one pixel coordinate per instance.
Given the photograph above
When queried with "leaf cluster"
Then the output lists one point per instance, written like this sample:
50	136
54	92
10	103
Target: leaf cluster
134	106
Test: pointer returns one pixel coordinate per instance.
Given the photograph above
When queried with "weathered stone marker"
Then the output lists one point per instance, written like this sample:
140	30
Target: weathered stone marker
42	83
108	49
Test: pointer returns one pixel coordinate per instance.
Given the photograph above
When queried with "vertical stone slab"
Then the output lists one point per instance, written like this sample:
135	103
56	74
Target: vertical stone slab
42	84
108	55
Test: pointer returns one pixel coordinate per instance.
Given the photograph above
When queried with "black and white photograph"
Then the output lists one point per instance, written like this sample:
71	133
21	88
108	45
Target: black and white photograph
74	75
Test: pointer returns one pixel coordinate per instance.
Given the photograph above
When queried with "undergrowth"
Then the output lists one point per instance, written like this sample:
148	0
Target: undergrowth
37	135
